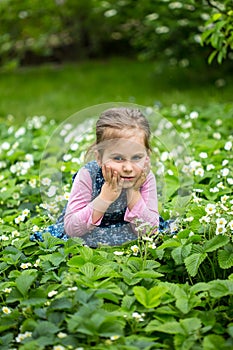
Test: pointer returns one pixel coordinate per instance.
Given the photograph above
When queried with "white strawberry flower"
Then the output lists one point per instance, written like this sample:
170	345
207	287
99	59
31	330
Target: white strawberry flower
210	209
221	222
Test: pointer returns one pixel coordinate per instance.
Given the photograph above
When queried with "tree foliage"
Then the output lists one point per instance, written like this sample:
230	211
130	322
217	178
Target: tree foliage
218	31
61	29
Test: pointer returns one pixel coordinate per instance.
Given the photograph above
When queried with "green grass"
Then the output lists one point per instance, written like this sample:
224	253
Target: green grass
60	91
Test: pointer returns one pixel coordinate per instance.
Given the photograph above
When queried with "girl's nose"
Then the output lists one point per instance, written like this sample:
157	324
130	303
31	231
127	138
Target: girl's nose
127	166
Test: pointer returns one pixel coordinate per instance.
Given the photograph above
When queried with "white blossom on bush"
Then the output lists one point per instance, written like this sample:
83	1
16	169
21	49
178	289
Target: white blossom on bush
46	181
225	172
119	253
220	230
52	293
230	224
25	266
228	146
210	209
135	249
139	317
6	310
221	222
19	219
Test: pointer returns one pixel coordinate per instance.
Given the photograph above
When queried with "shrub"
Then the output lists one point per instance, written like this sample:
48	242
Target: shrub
61	30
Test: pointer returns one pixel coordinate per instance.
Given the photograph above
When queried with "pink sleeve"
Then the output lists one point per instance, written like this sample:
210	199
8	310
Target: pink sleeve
78	217
146	208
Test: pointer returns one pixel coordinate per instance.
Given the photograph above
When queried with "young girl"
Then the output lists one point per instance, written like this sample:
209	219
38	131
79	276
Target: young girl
111	194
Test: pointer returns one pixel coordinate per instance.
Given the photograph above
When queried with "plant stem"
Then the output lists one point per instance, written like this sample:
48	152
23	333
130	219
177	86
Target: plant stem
212	267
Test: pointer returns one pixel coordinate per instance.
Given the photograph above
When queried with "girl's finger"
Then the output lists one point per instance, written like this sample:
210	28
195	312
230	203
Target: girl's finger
140	181
104	172
114	179
120	181
108	173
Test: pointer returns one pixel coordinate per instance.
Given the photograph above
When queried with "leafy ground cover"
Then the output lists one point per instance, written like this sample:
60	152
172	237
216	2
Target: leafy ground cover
58	91
160	292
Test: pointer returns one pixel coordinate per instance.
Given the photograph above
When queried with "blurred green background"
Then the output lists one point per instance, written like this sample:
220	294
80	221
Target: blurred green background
64	55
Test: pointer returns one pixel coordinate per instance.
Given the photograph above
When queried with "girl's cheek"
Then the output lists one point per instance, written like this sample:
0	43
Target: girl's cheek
141	164
147	162
107	162
111	164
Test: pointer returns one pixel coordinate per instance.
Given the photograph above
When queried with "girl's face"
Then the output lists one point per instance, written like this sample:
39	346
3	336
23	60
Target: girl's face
126	156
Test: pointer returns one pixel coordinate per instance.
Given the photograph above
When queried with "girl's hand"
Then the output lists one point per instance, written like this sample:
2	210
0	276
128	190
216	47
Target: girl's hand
142	178
133	193
112	187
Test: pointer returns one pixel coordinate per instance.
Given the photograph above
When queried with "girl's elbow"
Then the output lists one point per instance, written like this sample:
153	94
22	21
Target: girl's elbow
68	229
75	229
69	226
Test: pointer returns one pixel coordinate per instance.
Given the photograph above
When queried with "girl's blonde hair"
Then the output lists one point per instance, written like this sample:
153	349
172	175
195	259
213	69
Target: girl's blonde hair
113	121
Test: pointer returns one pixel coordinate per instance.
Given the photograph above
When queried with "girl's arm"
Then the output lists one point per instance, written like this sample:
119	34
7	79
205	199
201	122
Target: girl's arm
79	212
110	191
83	213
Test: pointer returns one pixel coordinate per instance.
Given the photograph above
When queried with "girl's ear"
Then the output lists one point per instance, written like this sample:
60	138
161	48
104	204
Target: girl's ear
98	158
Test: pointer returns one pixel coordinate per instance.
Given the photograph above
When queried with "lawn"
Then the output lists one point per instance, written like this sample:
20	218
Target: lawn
58	91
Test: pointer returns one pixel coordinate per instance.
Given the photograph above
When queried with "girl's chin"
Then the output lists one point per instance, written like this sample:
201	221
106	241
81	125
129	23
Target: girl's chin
128	184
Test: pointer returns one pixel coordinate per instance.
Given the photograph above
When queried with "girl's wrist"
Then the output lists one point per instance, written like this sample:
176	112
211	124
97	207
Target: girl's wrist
133	191
133	196
101	204
106	201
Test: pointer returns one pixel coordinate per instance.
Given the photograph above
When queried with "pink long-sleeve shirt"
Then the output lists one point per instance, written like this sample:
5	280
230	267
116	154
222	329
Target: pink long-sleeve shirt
78	217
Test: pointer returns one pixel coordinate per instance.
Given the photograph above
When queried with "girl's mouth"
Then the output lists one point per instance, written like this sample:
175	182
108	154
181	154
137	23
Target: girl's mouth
127	178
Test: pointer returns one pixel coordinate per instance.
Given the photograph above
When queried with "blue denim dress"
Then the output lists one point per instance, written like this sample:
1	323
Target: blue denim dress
113	230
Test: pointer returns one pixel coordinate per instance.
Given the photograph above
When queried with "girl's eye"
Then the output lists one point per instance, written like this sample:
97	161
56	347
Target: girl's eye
118	158
136	158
